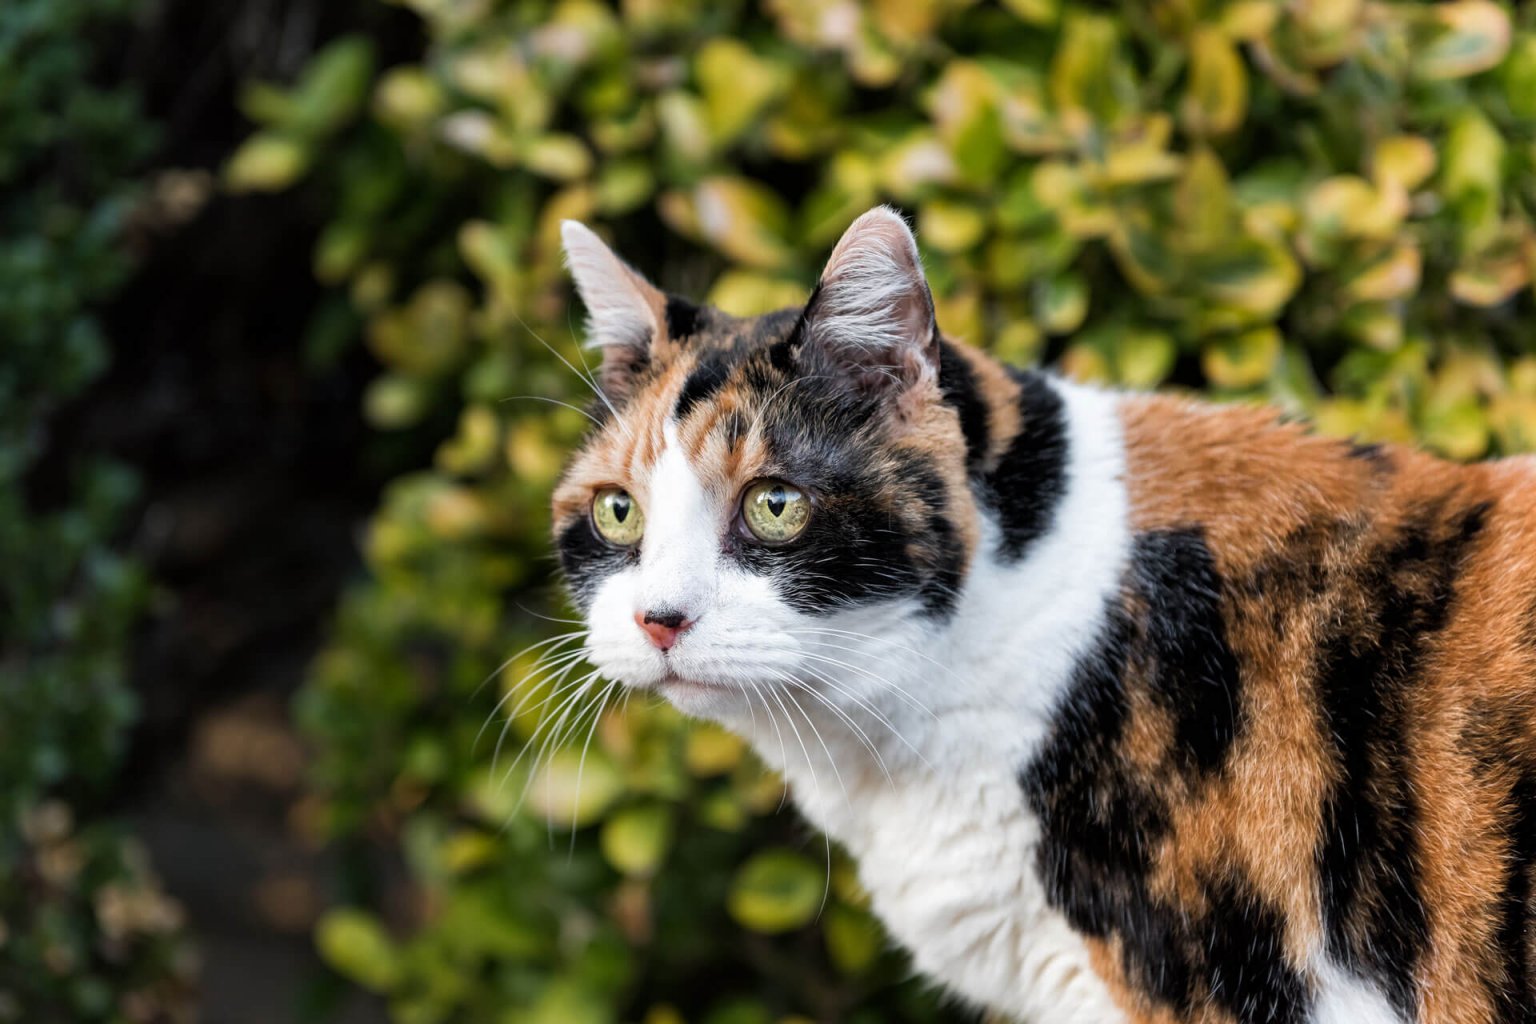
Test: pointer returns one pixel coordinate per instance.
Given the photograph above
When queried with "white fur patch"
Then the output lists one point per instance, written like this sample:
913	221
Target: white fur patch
1342	998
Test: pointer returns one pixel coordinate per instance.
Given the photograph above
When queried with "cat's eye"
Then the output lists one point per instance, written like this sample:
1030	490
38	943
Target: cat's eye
775	512
617	517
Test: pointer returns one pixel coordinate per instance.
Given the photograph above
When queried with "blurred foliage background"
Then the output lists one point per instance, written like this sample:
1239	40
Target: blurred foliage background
1323	204
85	931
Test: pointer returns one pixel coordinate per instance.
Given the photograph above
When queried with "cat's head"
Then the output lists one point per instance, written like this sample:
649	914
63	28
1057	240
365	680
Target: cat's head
762	493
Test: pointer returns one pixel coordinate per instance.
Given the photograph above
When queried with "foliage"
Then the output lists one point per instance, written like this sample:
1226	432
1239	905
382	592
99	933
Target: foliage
1323	205
85	933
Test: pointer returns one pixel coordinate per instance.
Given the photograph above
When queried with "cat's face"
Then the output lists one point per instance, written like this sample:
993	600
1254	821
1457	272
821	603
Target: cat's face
766	498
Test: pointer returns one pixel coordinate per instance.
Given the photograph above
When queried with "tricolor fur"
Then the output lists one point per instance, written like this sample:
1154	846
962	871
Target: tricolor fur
1132	708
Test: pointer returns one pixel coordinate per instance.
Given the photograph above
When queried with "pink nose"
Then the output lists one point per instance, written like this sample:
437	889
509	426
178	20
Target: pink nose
663	626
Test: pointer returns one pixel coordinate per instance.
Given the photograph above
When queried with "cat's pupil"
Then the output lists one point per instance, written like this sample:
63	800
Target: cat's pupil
620	508
776	501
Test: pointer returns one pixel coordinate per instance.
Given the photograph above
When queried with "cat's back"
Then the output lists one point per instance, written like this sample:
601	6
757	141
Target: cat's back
1324	676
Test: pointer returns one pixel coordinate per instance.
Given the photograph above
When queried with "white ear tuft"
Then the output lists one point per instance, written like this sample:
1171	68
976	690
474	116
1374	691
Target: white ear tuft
621	305
872	311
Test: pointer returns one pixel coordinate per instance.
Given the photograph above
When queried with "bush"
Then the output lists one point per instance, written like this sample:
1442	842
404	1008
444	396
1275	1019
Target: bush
1326	206
85	933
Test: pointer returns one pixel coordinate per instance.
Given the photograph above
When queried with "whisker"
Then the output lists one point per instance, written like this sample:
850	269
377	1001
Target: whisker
554	401
845	717
589	381
581	765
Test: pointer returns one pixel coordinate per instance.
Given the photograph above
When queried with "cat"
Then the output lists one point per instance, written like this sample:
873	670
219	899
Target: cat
1131	708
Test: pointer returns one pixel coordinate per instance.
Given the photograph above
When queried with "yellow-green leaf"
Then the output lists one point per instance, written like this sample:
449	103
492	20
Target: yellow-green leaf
1087	74
1458	430
742	218
1061	303
1394	276
776	891
1406	161
570	790
1517	77
1216	98
1470	36
736	84
561	157
711	750
1144	357
1242	361
266	163
355	944
636	839
854	939
951	226
747	293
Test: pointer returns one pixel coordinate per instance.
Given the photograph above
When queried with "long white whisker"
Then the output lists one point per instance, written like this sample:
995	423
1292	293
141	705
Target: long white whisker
848	719
581	765
783	750
589	381
554	401
826	839
895	688
557	684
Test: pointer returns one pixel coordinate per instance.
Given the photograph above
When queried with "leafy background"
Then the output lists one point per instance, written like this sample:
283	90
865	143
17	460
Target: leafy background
1322	205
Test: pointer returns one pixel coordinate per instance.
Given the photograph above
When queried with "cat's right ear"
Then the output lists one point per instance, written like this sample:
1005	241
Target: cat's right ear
625	312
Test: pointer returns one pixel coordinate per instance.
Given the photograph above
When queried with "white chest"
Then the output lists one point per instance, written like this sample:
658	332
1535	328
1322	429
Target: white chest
949	864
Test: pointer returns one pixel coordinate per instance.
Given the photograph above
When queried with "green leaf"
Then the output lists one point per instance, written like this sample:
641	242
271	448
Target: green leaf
737	86
1517	77
573	788
1216	98
1244	360
332	88
266	163
950	225
1469	36
355	944
1087	80
1061	303
636	839
776	891
854	938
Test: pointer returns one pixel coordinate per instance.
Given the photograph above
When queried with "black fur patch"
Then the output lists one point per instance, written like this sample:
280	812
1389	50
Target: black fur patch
1368	857
702	384
1193	670
1496	738
587	560
682	318
958	385
1031	478
1517	1003
1100	821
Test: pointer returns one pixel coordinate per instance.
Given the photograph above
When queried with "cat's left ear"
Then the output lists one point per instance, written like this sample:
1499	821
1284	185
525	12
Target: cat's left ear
871	316
625	312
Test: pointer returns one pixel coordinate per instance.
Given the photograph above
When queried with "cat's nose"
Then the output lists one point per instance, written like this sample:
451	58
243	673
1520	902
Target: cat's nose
662	626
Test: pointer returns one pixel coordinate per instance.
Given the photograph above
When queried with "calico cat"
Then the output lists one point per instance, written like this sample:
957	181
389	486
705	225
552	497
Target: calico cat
1131	708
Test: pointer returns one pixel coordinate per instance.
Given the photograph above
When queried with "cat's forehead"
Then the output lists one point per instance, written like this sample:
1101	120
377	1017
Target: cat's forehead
704	330
703	395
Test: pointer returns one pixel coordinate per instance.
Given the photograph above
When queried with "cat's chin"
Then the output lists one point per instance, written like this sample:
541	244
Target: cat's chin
700	698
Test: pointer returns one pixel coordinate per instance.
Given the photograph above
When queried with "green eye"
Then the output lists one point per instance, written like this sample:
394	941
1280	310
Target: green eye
775	512
617	517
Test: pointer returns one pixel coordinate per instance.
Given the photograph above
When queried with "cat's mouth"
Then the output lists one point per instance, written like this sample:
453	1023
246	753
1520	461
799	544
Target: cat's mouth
673	680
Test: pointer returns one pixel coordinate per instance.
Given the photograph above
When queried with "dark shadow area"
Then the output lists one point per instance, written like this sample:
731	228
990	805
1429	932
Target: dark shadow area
256	474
